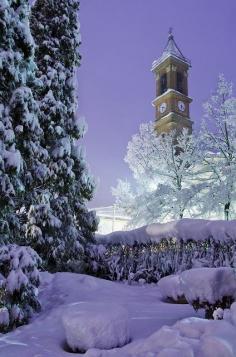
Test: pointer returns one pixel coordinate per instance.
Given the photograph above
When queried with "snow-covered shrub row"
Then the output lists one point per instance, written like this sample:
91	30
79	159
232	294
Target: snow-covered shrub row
185	229
158	250
19	280
152	261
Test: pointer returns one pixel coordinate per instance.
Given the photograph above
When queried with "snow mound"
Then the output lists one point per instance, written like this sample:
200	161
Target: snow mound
215	338
170	288
185	229
208	284
186	338
230	314
96	325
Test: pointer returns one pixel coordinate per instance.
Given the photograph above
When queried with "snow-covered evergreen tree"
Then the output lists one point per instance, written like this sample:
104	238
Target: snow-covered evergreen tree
22	166
219	150
22	157
10	184
162	168
10	158
59	226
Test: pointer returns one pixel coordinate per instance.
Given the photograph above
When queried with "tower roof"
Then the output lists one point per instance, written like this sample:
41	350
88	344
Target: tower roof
171	50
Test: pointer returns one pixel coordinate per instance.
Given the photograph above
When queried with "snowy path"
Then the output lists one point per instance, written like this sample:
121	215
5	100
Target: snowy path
44	337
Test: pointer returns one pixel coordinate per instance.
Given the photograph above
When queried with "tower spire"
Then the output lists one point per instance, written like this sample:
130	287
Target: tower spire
171	49
171	36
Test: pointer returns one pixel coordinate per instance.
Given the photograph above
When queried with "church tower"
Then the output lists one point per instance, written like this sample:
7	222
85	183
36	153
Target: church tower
172	100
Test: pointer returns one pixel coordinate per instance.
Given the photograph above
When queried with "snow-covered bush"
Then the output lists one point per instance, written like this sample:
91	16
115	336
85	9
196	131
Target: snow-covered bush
96	325
209	288
94	263
218	314
19	281
171	290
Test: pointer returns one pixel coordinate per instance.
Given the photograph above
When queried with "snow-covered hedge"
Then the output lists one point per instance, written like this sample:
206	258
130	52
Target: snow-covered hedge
19	279
158	250
197	230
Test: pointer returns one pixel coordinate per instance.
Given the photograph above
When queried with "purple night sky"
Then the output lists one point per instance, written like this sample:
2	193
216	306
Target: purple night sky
120	40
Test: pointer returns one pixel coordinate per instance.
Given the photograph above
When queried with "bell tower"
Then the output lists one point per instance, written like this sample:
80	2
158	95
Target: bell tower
172	100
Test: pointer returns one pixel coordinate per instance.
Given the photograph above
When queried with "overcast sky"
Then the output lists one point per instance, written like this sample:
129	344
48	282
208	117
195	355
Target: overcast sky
120	40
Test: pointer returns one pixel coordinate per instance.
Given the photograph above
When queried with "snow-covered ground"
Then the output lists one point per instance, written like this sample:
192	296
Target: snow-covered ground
45	335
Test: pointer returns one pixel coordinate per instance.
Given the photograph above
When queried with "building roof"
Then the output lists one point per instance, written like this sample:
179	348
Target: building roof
111	212
171	50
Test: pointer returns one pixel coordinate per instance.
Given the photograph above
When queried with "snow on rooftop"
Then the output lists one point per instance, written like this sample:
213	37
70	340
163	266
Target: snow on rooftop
171	50
111	211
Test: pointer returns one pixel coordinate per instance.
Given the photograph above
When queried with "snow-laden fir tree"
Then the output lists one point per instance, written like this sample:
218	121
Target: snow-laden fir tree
23	158
11	165
162	168
219	150
22	166
61	224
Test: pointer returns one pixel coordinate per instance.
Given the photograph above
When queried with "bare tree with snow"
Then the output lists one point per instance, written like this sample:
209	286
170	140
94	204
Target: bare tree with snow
162	168
219	149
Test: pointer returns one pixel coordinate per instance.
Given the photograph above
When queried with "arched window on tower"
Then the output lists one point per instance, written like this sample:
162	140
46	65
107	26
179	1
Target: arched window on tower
179	82
163	84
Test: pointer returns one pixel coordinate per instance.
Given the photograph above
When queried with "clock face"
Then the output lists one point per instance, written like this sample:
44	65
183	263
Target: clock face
163	107
181	106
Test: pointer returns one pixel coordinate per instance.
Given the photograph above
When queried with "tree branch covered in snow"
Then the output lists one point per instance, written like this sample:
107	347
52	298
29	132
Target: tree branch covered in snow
219	149
163	171
19	280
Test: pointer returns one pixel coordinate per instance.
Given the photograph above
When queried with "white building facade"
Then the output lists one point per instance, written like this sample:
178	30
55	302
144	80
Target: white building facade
111	218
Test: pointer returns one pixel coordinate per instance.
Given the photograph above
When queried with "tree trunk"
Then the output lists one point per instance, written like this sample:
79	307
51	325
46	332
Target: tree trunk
226	211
